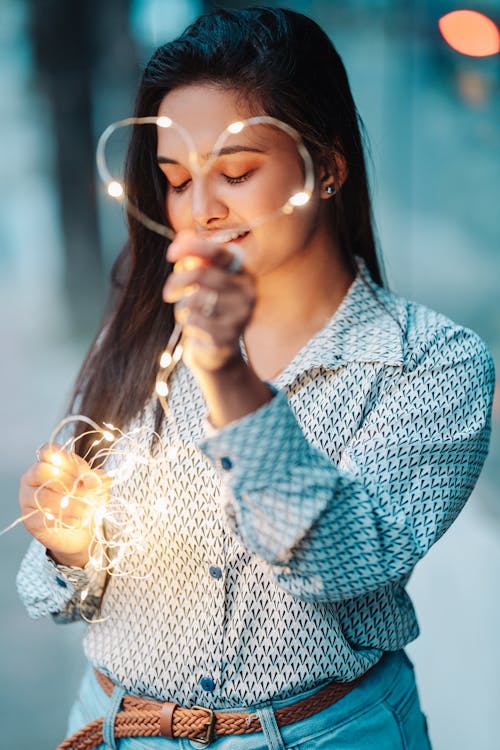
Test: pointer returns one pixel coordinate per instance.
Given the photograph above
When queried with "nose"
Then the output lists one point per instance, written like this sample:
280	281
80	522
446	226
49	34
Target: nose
207	208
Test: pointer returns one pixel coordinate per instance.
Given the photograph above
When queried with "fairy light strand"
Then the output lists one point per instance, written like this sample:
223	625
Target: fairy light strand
119	528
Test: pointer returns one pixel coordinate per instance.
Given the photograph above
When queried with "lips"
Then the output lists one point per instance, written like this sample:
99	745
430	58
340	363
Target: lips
227	235
237	237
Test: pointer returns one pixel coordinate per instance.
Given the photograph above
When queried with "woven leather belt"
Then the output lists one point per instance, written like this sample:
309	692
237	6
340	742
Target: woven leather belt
142	717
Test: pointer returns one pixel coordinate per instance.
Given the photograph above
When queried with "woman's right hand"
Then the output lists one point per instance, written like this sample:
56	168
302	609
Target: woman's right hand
59	495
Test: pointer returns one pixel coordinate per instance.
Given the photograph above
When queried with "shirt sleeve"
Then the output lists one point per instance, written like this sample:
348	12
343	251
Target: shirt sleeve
335	532
67	593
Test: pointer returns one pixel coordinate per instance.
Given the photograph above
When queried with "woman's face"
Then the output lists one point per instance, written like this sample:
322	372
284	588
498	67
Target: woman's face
256	172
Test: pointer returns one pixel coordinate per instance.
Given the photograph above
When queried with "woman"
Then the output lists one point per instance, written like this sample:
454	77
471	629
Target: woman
328	431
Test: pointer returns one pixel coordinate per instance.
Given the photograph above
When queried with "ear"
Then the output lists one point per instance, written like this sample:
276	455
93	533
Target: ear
333	174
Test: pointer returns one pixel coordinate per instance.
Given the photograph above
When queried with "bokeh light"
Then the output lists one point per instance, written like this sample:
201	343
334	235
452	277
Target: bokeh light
470	33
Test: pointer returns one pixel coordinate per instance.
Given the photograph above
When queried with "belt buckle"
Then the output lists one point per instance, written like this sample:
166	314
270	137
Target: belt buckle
209	736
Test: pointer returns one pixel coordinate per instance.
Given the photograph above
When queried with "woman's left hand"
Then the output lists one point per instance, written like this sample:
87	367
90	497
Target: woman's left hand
213	304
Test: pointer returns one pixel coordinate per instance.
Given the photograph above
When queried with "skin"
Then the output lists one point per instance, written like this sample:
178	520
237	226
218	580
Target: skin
67	529
293	275
292	281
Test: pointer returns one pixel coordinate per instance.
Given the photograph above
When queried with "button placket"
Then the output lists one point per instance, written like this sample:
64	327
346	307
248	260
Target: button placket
215	597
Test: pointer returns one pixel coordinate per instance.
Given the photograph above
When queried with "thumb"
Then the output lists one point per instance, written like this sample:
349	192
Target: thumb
96	479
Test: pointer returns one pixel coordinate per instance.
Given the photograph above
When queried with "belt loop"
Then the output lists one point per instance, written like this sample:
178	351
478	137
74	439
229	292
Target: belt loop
270	728
108	724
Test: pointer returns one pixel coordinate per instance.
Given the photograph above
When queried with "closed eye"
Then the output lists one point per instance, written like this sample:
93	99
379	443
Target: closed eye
179	188
240	178
231	180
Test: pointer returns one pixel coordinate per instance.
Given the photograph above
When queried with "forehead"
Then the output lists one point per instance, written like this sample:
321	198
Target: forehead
204	111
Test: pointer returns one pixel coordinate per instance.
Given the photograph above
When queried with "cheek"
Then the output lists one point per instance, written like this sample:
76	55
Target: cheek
288	233
275	188
176	212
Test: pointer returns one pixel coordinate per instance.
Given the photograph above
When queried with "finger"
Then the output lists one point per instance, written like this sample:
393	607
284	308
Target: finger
53	522
188	243
199	330
54	454
229	312
67	508
185	283
42	497
44	473
96	480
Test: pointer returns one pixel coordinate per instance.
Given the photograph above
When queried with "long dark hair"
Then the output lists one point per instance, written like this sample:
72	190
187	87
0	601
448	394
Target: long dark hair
285	62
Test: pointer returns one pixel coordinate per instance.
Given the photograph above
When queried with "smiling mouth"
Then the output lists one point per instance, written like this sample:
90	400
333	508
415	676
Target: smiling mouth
228	235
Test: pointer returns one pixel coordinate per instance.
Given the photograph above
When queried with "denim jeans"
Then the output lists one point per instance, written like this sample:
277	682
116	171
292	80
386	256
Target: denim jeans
382	713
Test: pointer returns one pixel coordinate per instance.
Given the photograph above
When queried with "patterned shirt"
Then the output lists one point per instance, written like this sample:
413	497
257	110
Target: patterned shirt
284	541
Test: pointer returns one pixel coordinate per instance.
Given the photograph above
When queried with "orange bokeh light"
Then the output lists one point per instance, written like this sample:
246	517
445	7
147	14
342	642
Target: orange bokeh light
470	33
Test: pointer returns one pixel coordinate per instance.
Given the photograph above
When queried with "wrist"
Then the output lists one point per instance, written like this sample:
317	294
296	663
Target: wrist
233	391
233	369
70	561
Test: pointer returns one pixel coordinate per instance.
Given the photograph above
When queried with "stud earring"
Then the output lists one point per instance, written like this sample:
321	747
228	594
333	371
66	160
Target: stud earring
330	190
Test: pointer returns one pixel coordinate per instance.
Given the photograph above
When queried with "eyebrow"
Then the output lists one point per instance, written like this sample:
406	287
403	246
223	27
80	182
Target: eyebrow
223	152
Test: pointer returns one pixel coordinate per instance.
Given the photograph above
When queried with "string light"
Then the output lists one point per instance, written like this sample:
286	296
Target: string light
173	352
235	127
162	388
165	359
118	526
299	199
115	189
164	122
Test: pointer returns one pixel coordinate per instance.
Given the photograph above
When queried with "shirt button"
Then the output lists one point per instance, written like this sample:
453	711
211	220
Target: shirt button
207	684
226	463
215	571
61	582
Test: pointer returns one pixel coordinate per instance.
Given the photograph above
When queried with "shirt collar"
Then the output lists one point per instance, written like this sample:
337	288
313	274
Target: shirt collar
366	327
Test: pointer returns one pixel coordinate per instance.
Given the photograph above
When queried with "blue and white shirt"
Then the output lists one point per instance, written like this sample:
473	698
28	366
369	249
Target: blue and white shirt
278	548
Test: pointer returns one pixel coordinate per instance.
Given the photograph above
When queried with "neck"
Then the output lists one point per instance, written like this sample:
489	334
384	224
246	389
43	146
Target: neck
304	292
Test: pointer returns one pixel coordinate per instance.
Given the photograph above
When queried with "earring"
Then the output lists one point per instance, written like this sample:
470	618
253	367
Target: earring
330	190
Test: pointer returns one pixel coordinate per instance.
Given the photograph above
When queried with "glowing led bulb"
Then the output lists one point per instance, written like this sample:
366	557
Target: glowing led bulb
171	453
108	436
235	127
164	122
49	516
166	359
162	388
177	353
115	190
64	501
84	595
299	199
56	459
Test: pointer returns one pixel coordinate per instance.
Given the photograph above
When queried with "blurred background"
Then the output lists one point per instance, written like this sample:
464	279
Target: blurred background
433	119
